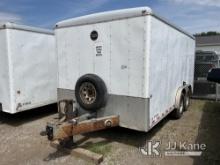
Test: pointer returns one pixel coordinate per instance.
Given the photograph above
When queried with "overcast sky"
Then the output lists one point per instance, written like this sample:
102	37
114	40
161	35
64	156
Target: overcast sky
192	15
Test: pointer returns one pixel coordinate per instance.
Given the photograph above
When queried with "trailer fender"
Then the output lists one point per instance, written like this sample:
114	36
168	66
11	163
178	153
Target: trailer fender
182	90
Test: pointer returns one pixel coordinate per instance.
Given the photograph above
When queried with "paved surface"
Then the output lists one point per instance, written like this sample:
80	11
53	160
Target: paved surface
21	143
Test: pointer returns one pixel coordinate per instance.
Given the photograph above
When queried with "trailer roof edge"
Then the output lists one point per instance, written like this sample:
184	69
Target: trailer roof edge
10	25
116	15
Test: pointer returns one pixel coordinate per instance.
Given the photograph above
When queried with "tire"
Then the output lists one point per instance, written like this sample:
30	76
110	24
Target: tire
91	92
178	112
186	101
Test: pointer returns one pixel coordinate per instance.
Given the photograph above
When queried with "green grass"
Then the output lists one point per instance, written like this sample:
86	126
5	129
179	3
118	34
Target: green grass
203	105
101	147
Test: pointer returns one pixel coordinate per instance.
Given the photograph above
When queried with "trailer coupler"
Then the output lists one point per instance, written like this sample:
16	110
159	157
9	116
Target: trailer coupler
66	130
49	132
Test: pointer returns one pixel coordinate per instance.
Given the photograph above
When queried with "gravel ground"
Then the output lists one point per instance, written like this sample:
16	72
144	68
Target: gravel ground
21	143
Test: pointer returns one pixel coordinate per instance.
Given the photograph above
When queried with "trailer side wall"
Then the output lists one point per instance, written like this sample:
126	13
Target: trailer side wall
171	63
5	98
34	69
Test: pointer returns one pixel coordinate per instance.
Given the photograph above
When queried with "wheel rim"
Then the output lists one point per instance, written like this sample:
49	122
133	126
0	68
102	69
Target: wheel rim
88	93
187	101
181	108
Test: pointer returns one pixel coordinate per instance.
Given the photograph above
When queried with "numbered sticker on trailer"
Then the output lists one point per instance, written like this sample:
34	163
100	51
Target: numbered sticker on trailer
98	49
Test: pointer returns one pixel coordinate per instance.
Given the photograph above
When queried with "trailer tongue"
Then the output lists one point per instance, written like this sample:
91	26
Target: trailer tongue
64	129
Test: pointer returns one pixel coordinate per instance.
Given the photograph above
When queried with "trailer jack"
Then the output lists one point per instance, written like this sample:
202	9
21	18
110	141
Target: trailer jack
64	131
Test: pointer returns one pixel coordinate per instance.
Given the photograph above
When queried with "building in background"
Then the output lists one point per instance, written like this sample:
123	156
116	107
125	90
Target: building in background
208	43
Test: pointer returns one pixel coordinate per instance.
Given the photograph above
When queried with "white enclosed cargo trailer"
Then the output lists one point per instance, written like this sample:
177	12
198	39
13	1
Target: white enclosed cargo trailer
28	67
131	63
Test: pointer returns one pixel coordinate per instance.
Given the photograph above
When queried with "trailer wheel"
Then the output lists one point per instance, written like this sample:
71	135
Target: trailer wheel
178	112
91	92
186	101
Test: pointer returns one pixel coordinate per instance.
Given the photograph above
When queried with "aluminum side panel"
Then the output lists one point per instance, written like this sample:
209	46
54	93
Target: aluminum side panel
132	111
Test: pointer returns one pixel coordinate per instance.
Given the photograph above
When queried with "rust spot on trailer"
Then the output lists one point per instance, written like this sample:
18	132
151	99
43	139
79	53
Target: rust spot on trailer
64	132
95	125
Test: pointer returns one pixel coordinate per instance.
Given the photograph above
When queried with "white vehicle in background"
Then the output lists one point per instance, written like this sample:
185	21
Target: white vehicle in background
128	63
28	69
